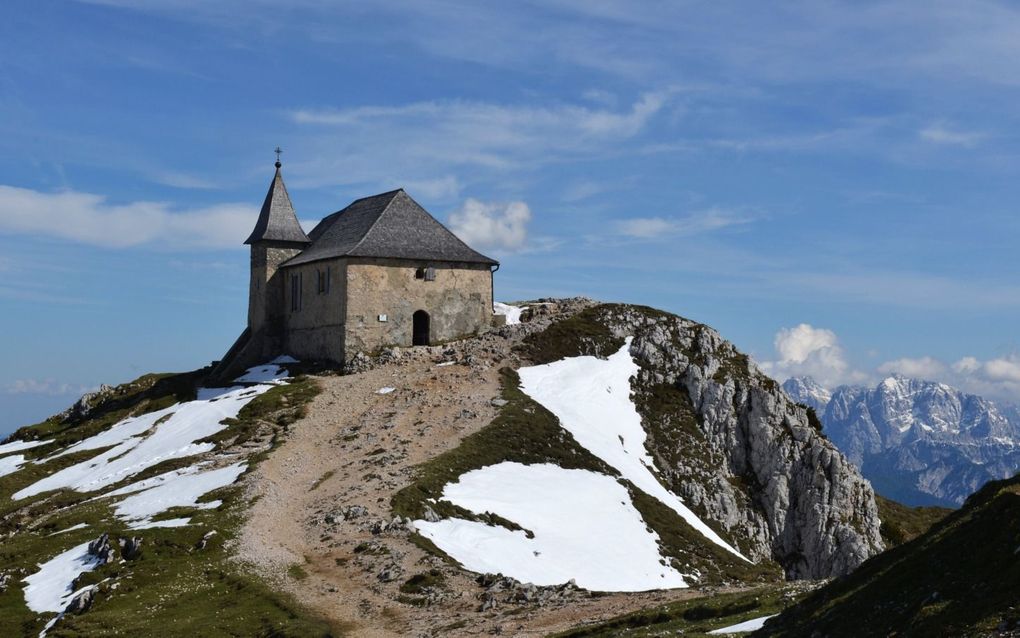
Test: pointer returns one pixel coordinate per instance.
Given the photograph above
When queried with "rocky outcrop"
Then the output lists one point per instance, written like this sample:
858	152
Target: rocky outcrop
84	406
101	550
748	459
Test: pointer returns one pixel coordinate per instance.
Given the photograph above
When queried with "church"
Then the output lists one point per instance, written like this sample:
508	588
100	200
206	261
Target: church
381	272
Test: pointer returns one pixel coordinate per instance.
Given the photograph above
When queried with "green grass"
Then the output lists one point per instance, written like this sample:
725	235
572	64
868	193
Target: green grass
419	583
172	588
584	333
692	618
960	578
901	523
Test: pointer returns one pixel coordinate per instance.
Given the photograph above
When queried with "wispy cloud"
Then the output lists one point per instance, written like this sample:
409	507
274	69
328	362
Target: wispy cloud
939	133
91	219
47	387
920	368
428	142
693	224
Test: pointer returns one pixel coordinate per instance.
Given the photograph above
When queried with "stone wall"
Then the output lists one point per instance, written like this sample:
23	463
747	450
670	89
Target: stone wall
459	302
265	290
316	329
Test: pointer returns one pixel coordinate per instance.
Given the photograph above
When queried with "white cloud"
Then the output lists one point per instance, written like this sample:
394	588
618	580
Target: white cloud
808	351
921	368
486	225
91	219
696	223
940	134
997	378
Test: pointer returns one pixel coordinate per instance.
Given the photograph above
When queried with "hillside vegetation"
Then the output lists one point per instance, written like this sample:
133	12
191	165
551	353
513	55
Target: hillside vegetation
960	578
181	581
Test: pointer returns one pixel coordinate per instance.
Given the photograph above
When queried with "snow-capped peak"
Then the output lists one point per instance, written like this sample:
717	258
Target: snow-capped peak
808	391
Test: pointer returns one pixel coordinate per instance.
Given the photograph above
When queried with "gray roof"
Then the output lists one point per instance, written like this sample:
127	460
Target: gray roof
389	225
277	221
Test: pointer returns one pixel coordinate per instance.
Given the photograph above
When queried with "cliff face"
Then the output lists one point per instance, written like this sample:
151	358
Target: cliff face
738	450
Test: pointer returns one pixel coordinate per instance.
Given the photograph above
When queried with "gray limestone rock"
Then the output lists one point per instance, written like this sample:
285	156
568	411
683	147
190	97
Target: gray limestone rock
780	488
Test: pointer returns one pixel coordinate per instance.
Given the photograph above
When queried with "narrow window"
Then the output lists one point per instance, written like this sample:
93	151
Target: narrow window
322	281
419	274
295	292
430	274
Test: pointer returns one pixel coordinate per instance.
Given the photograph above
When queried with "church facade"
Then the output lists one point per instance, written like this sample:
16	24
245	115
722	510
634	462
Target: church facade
381	272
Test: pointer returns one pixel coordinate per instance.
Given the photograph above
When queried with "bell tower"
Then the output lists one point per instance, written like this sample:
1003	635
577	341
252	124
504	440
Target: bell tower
276	238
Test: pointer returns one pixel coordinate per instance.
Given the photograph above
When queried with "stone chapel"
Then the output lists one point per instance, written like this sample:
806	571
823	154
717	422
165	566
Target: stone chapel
381	272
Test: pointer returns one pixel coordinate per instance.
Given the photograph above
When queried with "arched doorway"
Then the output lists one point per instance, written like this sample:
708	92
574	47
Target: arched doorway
420	330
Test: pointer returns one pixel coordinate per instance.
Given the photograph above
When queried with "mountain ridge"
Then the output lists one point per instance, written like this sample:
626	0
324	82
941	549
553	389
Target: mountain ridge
919	442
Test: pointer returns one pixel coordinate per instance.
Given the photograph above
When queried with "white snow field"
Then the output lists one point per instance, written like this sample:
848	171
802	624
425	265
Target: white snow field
11	463
143	441
512	313
591	398
585	528
49	589
179	488
747	626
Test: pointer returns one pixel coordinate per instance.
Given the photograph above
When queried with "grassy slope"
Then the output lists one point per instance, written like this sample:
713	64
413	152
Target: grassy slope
901	523
960	578
172	588
526	432
693	618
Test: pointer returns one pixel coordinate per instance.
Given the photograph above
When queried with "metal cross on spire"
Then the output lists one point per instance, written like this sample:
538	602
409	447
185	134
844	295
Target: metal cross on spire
278	150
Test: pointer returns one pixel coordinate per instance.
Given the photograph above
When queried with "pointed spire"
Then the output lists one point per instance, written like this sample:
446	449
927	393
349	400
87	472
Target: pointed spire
277	221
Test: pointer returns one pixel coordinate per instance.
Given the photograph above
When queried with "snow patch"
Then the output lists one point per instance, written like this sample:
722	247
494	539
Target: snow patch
70	529
591	398
179	488
49	589
10	464
385	390
748	625
269	373
17	446
584	524
170	522
175	436
512	313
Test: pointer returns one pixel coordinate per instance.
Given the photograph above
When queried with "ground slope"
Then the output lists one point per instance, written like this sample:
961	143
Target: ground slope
958	579
119	510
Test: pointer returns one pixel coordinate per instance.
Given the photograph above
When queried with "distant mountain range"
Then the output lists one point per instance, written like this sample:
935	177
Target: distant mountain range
918	442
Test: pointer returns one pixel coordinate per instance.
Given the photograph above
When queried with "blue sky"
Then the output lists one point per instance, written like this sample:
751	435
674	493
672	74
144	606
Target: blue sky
831	185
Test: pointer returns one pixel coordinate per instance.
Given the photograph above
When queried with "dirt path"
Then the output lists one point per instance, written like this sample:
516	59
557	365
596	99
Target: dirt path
322	528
